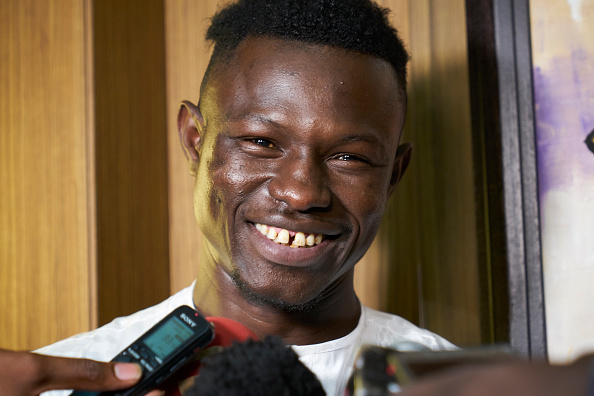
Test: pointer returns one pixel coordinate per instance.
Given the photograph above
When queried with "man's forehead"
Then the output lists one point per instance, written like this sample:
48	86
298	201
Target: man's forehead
261	60
259	51
300	86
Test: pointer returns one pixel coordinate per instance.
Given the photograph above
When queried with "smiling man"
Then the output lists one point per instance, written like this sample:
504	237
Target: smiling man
294	145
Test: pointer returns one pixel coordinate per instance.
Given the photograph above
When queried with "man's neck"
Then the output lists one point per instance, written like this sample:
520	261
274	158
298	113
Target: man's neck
334	316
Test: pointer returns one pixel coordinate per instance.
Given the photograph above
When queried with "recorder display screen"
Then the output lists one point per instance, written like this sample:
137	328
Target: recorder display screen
168	337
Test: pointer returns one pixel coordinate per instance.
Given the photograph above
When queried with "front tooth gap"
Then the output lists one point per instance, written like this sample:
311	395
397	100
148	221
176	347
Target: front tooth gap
284	236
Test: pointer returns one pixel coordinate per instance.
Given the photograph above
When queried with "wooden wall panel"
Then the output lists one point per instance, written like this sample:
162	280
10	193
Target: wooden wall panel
374	274
45	253
186	22
131	156
445	182
424	260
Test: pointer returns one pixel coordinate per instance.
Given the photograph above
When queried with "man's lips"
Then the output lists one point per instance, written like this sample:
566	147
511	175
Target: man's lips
283	253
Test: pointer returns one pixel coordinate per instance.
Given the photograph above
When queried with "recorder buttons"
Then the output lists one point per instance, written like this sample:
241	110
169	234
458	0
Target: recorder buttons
124	357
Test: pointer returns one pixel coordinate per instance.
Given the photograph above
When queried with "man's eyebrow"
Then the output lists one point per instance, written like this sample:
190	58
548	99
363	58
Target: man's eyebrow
362	137
371	138
261	118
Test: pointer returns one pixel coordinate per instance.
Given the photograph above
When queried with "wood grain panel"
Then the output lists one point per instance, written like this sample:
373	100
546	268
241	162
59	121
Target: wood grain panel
186	22
131	156
439	125
44	223
423	264
374	274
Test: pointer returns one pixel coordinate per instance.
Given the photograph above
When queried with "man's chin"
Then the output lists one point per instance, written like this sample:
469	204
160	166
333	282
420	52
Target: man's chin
273	302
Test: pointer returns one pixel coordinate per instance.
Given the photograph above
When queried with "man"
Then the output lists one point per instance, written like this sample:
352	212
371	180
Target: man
295	148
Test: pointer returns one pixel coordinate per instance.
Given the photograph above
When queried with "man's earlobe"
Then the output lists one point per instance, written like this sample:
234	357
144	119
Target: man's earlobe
189	126
401	162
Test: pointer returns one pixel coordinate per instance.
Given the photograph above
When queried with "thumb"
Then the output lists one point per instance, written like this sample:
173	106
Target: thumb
67	373
27	373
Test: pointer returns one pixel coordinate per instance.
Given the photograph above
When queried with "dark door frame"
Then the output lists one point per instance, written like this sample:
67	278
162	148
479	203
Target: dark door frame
502	108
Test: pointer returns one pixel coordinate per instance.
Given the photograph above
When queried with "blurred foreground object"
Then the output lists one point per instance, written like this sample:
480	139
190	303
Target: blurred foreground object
383	371
255	368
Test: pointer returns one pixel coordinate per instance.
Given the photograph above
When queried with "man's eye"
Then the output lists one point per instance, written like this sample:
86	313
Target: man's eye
350	157
263	142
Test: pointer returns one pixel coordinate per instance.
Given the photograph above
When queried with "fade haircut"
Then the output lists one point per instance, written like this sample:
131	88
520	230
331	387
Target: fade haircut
354	25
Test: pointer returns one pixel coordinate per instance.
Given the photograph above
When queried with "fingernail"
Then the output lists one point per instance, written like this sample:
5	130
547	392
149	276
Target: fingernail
127	371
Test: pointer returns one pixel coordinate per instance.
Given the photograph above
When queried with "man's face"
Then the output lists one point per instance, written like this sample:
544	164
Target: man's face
298	139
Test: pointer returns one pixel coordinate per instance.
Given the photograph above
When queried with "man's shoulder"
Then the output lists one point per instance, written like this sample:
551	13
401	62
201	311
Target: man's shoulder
392	331
107	341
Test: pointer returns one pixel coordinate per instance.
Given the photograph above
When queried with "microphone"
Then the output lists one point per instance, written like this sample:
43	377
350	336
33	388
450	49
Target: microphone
255	368
236	363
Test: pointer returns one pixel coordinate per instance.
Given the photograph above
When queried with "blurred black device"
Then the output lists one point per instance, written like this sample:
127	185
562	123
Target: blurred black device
163	349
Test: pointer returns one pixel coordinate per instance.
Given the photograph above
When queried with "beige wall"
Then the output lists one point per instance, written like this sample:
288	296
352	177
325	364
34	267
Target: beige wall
61	193
563	61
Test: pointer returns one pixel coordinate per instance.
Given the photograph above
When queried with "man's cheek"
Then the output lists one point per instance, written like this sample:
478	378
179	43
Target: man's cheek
367	207
209	207
242	178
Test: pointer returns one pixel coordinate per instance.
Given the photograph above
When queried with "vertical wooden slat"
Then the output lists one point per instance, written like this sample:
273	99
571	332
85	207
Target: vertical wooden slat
131	156
377	270
187	57
450	279
91	168
425	257
44	223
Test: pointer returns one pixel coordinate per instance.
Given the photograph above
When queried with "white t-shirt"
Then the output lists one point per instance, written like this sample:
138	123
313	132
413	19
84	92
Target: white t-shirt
331	361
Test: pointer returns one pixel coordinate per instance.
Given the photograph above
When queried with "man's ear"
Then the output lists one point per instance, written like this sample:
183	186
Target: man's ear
401	162
190	125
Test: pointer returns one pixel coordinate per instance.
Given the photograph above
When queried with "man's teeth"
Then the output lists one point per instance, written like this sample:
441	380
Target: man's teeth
282	236
299	239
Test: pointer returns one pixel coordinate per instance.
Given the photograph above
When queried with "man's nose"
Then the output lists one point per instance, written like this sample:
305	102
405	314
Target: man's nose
301	184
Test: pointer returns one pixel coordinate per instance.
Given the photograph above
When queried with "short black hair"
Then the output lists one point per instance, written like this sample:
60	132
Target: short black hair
255	368
354	25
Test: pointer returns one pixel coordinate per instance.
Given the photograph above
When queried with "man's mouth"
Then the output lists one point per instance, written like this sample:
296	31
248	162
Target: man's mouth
294	239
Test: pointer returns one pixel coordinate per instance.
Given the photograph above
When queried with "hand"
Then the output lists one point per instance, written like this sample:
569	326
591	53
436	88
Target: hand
510	379
28	374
